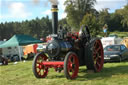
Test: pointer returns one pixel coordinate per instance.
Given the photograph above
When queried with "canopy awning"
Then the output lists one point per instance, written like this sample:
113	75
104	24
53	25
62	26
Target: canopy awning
20	40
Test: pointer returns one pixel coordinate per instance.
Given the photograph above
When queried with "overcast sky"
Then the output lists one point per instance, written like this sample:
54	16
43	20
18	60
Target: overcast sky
19	10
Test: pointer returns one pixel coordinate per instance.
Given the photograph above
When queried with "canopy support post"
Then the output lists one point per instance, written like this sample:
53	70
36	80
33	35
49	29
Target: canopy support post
20	53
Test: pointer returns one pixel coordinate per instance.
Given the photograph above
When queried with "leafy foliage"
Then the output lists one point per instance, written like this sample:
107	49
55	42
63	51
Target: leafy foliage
104	17
115	22
37	28
124	13
91	21
76	9
80	10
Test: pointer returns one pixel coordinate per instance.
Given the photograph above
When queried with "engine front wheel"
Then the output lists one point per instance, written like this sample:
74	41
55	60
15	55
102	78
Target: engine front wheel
71	65
39	70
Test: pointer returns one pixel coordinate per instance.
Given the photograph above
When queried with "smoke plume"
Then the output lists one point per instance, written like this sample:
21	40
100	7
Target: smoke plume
54	2
36	2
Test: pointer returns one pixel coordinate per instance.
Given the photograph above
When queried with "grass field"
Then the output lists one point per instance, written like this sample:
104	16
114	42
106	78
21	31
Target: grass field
120	34
21	74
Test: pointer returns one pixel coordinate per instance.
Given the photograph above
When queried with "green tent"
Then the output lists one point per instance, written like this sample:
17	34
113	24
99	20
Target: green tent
20	40
1	42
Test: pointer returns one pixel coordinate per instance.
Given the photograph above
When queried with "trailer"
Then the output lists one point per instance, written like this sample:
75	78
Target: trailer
110	41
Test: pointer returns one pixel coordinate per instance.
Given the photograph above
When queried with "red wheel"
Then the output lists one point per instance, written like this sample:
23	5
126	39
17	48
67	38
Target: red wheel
95	56
71	65
98	55
39	70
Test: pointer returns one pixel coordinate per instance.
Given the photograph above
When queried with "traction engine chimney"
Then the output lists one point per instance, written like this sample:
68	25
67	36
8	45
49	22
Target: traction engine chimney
54	18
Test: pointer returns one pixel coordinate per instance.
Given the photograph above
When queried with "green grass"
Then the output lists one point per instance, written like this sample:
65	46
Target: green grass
21	74
120	34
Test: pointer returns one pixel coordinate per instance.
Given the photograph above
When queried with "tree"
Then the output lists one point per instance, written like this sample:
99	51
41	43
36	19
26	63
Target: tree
104	17
46	26
76	9
91	21
115	22
37	28
124	13
63	23
1	31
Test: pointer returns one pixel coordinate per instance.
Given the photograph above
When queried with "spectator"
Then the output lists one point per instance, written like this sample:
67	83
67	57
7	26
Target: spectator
105	30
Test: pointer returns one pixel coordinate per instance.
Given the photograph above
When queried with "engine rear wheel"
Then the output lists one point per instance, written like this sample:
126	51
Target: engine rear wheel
95	55
71	65
39	70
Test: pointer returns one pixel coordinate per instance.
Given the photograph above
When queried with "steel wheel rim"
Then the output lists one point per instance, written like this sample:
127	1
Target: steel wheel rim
73	66
40	69
98	55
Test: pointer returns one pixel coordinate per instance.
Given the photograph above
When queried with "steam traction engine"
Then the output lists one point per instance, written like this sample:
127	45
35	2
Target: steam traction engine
67	51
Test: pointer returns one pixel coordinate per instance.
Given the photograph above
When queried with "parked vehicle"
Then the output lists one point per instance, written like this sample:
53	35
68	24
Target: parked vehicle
115	53
110	41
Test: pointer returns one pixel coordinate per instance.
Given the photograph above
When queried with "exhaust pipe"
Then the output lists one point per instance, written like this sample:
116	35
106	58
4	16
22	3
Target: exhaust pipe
54	18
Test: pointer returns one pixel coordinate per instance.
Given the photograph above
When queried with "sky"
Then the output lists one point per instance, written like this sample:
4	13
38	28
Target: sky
20	10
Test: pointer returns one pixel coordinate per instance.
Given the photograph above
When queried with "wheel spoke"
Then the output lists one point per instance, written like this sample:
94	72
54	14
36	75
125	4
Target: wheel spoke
69	69
98	64
73	62
71	59
94	53
37	67
38	63
69	66
45	70
39	71
95	57
72	70
69	62
99	57
97	50
95	44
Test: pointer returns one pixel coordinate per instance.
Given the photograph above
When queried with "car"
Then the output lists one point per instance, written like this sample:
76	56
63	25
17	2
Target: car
115	53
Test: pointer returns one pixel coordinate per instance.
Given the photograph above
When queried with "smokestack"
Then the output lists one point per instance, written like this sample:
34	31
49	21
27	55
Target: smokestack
54	18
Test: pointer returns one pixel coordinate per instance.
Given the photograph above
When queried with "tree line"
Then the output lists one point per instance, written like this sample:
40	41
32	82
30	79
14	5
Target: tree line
79	13
37	28
82	12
